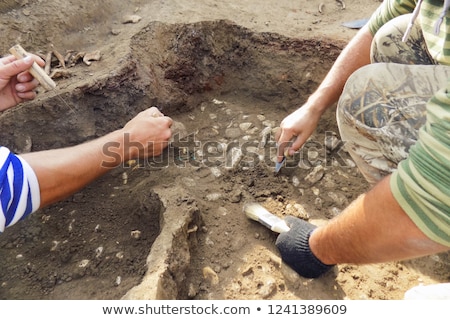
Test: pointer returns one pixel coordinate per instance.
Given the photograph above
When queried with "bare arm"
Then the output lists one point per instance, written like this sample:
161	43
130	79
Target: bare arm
302	122
373	229
61	172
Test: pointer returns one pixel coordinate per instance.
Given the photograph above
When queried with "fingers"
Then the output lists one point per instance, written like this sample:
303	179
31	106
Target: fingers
284	141
16	67
24	77
298	142
29	95
155	113
6	60
26	86
10	66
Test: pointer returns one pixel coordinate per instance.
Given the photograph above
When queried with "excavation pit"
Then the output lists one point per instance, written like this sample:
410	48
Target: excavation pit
172	227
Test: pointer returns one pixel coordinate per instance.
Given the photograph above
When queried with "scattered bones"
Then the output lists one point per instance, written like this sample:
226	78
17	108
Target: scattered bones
57	68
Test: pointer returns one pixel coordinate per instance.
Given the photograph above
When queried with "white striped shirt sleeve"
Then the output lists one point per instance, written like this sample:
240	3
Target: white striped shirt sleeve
19	189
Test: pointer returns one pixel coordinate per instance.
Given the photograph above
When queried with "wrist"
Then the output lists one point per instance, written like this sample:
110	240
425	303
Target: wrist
114	149
316	248
320	101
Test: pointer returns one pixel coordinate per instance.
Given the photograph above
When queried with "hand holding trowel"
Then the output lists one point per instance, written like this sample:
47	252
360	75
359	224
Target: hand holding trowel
292	241
283	149
258	213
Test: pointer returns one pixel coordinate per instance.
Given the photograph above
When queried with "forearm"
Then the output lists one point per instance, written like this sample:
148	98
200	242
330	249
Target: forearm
62	172
373	229
355	55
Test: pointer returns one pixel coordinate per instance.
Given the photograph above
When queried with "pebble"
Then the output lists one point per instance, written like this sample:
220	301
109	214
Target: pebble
215	171
131	18
213	196
245	126
83	263
210	275
315	175
119	255
318	203
135	234
338	198
98	252
192	291
188	182
334	211
268	288
232	133
331	142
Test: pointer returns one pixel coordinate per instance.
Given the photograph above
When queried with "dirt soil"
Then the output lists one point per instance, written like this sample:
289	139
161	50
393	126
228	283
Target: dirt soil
230	72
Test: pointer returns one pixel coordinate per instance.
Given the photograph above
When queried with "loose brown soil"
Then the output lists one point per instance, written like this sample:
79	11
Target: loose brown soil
226	71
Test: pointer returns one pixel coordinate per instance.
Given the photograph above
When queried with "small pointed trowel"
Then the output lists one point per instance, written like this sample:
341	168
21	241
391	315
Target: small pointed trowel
278	165
258	213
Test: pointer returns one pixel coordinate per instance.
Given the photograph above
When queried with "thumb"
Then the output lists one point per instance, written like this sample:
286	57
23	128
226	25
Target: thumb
15	67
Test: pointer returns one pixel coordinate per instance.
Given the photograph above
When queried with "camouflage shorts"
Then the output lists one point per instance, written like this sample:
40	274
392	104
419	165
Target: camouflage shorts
384	104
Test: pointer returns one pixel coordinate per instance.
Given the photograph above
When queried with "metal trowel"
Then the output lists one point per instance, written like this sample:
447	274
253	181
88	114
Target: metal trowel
258	213
355	24
278	165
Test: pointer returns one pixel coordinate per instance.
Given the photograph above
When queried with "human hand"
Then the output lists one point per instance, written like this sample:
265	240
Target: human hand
148	134
295	251
16	83
296	127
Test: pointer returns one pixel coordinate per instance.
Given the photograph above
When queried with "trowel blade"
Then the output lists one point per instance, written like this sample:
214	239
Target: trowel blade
278	165
355	24
258	213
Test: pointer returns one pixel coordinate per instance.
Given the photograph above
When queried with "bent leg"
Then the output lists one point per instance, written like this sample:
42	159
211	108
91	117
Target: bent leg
380	111
387	44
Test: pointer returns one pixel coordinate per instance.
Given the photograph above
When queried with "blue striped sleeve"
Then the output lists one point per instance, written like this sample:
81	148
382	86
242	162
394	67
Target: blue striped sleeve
19	189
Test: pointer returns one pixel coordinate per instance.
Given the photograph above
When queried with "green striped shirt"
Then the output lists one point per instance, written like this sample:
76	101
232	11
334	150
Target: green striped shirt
438	45
421	185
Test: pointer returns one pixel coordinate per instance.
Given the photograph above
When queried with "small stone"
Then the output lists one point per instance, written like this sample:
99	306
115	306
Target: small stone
245	126
83	263
213	196
210	275
295	181
315	175
135	234
318	203
131	18
268	288
232	133
192	291
331	142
